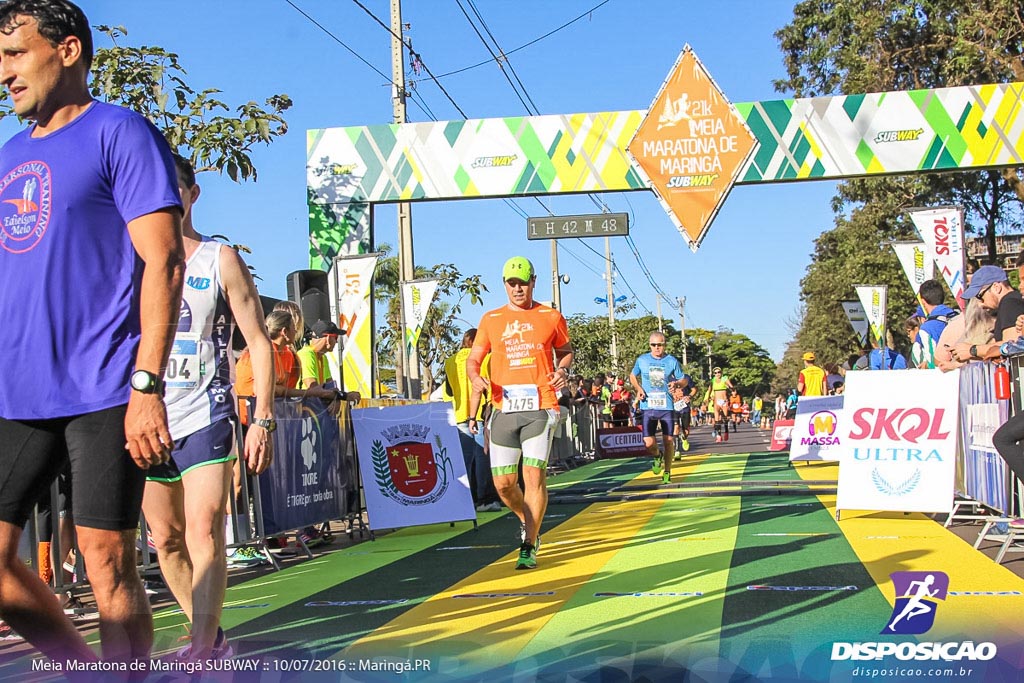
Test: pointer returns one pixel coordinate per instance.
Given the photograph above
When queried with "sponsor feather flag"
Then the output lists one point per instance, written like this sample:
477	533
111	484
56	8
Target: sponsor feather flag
858	320
942	229
873	299
917	262
417	295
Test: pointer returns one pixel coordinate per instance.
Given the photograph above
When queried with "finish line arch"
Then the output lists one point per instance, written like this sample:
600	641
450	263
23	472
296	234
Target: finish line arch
351	169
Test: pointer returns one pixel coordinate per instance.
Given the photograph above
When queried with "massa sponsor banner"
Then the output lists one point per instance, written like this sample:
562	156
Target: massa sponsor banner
782	434
411	465
898	450
817	428
942	229
620	442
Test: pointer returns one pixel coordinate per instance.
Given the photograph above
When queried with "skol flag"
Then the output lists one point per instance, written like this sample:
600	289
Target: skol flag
353	275
942	230
417	295
858	320
873	299
917	262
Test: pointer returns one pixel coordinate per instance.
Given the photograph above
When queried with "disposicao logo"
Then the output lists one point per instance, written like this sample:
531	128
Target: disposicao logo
917	601
917	594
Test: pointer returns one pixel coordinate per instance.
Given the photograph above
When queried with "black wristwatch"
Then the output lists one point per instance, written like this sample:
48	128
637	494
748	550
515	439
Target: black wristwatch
146	382
268	423
974	350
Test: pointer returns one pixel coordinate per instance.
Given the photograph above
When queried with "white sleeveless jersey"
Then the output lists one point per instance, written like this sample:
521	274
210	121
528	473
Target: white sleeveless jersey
201	368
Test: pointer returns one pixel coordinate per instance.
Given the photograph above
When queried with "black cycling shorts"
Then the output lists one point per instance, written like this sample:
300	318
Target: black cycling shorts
107	485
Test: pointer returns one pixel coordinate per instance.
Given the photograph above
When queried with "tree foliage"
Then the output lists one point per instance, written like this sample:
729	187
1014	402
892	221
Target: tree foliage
441	334
748	364
859	46
197	124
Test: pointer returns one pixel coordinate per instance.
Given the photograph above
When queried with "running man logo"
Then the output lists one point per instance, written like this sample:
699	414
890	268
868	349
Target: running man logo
495	162
917	594
25	206
515	329
899	135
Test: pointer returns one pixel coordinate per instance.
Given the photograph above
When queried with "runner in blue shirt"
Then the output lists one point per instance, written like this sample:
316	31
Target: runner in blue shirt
654	375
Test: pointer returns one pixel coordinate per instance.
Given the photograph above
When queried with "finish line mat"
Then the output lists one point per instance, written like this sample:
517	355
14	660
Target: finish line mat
724	587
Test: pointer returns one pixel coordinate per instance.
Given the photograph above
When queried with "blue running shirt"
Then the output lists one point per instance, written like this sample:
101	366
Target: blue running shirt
69	275
654	375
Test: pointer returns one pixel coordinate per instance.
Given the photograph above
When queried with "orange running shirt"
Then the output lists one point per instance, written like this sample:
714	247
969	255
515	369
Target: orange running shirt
521	345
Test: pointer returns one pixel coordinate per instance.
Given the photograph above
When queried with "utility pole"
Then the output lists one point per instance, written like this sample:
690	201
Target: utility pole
556	284
611	302
682	323
406	271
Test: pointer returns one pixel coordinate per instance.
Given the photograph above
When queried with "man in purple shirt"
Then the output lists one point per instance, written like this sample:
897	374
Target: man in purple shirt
91	265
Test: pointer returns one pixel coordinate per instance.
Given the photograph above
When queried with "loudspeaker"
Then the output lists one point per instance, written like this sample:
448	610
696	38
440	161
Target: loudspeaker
309	289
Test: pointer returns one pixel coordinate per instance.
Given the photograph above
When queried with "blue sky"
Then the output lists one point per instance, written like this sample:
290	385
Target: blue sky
745	276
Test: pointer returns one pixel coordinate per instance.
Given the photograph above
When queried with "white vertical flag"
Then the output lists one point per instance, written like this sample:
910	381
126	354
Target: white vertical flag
352	278
417	295
942	230
917	262
858	320
873	298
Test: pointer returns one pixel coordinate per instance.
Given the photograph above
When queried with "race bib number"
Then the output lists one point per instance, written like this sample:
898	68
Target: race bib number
681	405
518	398
657	400
183	371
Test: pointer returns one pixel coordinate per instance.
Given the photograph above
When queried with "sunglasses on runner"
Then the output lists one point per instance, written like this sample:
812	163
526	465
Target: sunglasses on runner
657	344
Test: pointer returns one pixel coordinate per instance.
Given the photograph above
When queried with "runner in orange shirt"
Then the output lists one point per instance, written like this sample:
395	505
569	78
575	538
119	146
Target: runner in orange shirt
521	338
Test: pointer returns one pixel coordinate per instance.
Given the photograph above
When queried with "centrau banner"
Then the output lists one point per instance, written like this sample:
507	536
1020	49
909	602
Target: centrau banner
410	461
874	300
858	319
352	277
898	450
917	262
942	229
817	428
417	296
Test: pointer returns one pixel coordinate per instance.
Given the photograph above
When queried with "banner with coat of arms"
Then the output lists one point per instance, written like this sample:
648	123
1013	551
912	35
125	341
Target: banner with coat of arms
411	465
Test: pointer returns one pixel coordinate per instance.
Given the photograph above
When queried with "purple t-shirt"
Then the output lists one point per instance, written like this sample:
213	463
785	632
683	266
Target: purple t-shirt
69	275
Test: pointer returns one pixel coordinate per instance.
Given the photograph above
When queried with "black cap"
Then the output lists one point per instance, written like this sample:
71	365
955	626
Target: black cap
322	328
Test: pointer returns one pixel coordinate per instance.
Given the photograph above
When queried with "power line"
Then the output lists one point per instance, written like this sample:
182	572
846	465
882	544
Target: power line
414	54
496	58
532	42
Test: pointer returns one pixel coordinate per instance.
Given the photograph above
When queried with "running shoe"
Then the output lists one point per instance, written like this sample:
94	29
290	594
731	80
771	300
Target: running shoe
522	536
725	437
656	465
666	478
686	445
1016	523
221	649
8	633
493	506
246	557
718	439
527	557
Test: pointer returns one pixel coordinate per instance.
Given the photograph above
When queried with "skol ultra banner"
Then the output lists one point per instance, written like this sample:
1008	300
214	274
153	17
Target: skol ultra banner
898	449
351	277
858	319
411	464
417	296
303	485
817	428
917	262
942	229
874	300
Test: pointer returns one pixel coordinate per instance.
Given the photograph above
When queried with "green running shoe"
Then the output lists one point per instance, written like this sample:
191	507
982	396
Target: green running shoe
686	445
527	557
666	478
656	466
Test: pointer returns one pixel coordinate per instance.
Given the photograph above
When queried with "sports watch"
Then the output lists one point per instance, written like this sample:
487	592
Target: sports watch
145	382
268	423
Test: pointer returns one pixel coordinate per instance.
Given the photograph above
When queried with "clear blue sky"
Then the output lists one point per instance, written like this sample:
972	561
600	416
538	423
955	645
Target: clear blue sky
745	276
